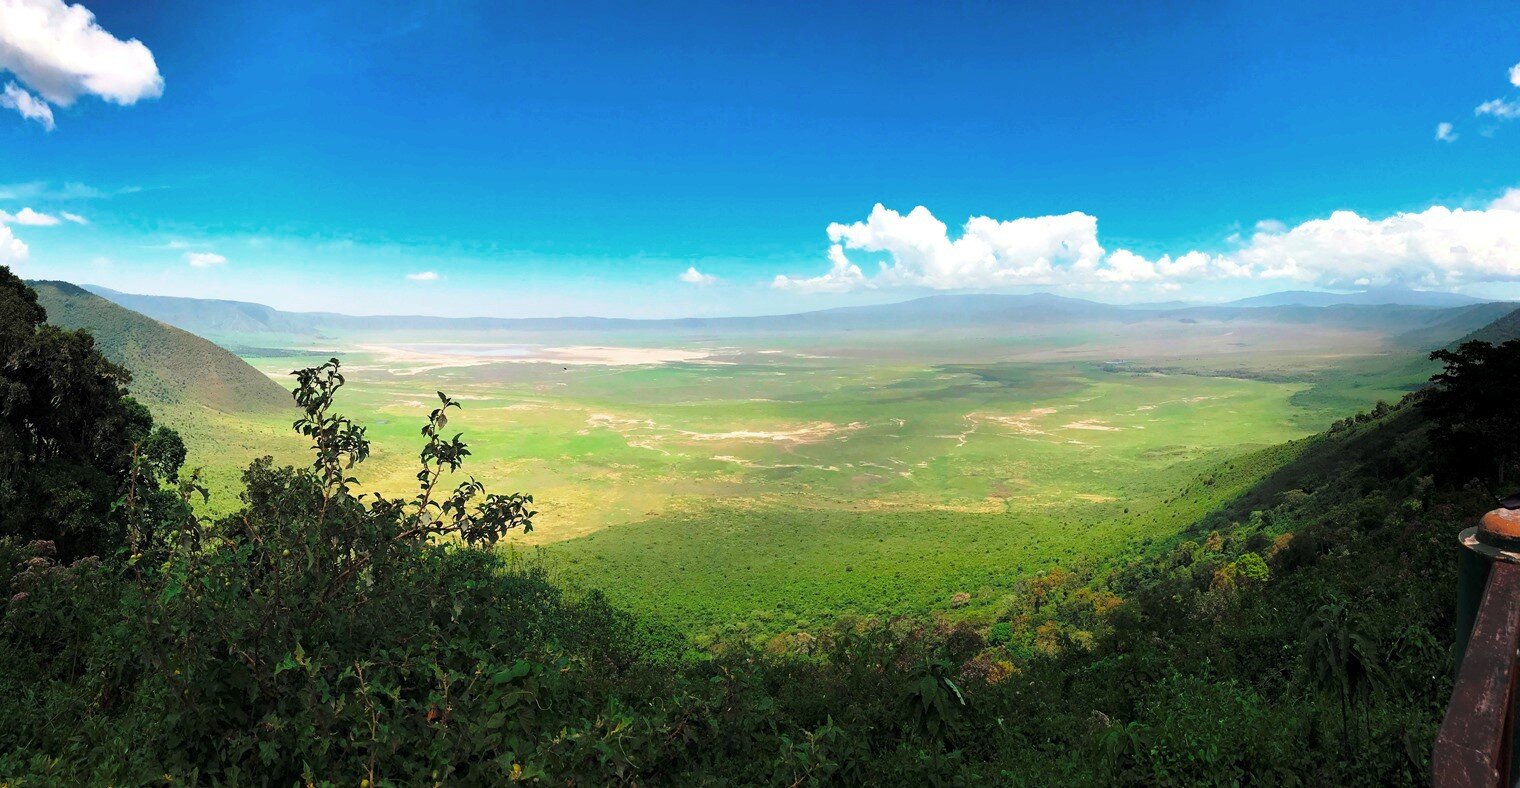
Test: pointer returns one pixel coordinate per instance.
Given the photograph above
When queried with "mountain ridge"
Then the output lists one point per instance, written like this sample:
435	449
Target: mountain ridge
216	316
170	367
1394	296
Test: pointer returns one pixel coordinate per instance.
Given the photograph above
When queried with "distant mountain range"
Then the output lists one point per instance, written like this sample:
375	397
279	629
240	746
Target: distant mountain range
1438	315
1372	297
170	367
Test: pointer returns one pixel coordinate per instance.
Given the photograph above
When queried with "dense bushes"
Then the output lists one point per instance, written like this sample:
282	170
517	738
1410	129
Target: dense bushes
320	636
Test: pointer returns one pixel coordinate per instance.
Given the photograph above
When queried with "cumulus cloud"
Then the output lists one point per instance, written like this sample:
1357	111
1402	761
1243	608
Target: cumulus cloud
58	52
1436	247
12	250
1514	75
692	276
423	276
29	218
204	259
989	253
842	277
1445	132
1509	201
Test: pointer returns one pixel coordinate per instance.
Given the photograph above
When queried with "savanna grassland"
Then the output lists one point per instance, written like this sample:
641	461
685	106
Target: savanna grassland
767	482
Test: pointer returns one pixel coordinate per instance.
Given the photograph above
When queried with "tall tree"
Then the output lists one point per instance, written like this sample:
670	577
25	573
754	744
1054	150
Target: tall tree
70	437
1474	408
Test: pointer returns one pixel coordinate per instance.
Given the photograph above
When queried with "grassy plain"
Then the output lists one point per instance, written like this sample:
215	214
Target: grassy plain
765	483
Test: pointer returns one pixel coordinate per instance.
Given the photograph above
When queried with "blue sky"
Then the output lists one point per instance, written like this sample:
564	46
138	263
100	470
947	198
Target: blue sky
553	159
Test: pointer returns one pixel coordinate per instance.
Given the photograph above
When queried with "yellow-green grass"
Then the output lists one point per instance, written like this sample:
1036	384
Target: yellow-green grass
785	481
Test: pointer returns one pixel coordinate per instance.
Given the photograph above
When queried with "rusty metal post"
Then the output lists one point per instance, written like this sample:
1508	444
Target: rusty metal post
1479	740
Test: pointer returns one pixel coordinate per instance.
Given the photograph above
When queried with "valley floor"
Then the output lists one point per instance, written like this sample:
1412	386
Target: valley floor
773	483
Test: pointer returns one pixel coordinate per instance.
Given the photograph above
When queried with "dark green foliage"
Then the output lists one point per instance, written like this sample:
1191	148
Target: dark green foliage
1474	411
69	437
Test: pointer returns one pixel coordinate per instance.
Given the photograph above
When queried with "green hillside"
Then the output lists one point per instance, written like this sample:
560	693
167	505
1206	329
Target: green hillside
1501	330
169	367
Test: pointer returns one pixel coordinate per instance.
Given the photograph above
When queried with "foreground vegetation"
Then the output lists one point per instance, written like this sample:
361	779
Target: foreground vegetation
1298	632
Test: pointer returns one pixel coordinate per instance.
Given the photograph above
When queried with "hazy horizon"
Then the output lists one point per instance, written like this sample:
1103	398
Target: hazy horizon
900	299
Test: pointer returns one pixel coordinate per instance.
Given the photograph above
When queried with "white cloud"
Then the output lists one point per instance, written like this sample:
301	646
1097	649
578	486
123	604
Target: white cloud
989	253
73	217
1499	108
30	107
59	52
1436	247
12	250
204	259
423	276
29	218
1445	133
843	276
694	277
1509	201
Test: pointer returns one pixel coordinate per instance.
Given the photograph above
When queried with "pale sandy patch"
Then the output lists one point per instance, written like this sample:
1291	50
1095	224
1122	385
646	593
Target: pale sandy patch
1091	424
811	433
436	357
616	356
649	433
1019	423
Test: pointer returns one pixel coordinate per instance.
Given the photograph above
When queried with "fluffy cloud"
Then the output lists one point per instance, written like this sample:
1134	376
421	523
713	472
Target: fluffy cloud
59	52
1436	247
12	250
989	253
1510	201
73	217
692	276
843	276
423	276
1445	133
29	218
1514	75
204	259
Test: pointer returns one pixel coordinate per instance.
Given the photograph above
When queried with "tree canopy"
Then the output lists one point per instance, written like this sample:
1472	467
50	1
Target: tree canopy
70	437
1474	408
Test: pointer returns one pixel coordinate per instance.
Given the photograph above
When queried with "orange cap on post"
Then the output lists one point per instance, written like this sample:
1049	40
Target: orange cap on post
1500	528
